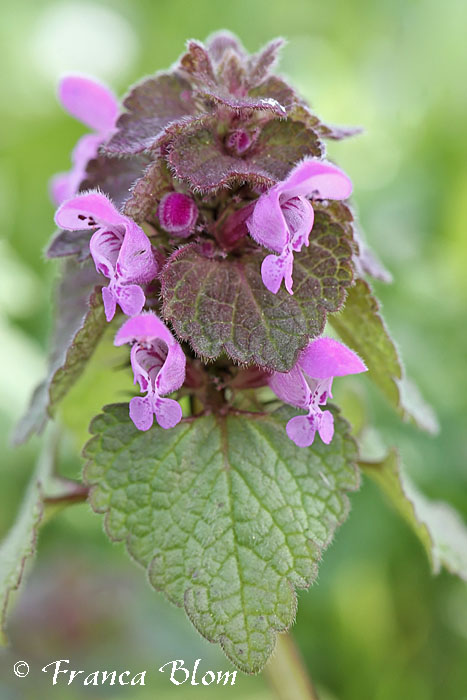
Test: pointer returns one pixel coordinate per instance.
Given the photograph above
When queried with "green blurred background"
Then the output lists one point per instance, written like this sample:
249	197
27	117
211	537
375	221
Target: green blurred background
376	624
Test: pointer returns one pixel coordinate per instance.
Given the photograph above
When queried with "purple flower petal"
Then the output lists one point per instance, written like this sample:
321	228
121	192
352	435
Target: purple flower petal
141	412
144	328
105	247
291	387
317	177
136	260
89	211
168	413
274	269
267	224
130	298
299	216
326	427
88	101
326	357
65	185
172	374
59	187
110	303
301	431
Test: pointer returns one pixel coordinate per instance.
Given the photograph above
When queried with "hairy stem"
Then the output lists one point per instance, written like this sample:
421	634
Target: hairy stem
287	674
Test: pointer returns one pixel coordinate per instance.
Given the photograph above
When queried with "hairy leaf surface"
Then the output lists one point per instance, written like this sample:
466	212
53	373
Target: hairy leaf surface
151	106
438	526
199	157
222	304
225	512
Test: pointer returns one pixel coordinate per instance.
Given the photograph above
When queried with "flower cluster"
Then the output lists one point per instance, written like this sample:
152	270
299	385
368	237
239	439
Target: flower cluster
206	167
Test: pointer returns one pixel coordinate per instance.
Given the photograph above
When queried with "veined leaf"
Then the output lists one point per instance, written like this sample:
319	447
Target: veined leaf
222	304
437	524
225	512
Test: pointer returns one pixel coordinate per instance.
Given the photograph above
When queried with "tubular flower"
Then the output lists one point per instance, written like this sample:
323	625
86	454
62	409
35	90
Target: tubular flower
308	386
95	106
120	249
158	364
283	218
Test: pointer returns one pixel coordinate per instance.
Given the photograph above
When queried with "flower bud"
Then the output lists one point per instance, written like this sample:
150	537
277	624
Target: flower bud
177	214
240	140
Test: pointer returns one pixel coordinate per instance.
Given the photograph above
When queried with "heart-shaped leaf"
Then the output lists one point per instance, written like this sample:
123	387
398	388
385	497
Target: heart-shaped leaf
226	513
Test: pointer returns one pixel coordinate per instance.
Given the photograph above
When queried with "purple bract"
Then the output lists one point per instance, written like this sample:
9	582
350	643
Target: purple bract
120	249
283	218
158	364
308	385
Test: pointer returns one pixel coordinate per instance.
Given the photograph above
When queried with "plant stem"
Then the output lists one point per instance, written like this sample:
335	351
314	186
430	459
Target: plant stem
287	674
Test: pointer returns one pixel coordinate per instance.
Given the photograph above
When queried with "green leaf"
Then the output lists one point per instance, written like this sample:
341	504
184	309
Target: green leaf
225	512
222	304
80	323
361	327
19	545
45	494
437	525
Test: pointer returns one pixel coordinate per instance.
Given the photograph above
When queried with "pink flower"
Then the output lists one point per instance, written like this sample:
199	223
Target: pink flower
94	105
308	385
283	218
177	214
158	365
120	249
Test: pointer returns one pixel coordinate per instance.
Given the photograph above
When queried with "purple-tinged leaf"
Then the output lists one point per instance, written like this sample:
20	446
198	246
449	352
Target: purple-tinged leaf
262	62
115	177
199	156
220	43
337	133
148	191
151	106
300	112
275	88
231	74
66	243
241	105
221	303
197	63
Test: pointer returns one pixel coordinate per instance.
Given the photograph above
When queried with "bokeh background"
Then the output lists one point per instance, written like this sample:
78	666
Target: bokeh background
376	624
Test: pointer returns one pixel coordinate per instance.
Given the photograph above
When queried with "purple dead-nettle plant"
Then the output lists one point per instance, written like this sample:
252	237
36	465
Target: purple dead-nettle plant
180	221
